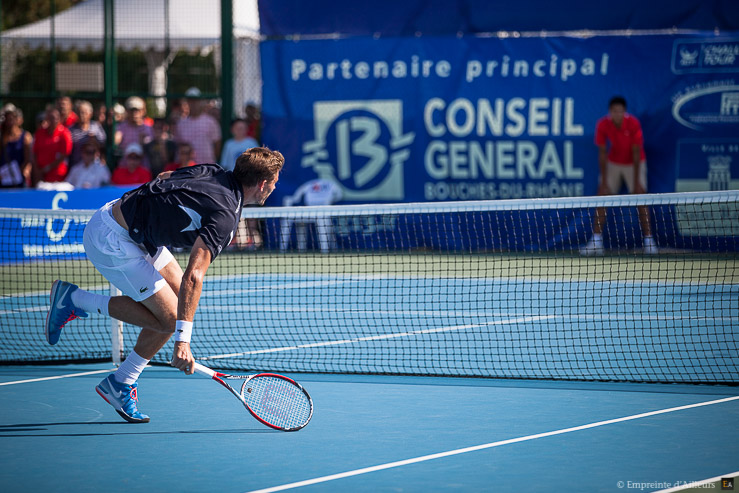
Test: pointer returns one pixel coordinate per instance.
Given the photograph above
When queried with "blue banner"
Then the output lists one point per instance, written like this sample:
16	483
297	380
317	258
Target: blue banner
461	118
51	199
449	17
33	237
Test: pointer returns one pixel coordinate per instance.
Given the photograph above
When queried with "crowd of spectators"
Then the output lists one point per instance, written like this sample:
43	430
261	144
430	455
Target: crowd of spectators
70	143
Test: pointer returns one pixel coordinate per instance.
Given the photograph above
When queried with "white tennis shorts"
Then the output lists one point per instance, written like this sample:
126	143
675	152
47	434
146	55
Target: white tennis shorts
618	174
120	260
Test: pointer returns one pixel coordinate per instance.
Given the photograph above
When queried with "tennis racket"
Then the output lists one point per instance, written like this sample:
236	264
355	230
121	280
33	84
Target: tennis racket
274	400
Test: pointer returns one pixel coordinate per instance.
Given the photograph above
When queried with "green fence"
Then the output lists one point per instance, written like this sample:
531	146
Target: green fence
105	51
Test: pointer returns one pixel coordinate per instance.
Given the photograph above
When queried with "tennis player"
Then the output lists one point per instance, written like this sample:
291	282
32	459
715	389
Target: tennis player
621	159
197	207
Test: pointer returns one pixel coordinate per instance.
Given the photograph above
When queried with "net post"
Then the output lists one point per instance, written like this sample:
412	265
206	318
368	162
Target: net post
116	333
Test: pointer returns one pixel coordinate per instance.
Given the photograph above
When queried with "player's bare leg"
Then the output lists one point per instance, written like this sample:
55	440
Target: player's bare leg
156	315
646	226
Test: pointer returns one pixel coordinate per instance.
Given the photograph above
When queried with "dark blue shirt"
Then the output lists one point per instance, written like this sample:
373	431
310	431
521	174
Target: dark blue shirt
11	160
202	201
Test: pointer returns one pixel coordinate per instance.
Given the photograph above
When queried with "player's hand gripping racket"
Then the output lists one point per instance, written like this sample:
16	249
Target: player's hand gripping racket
278	402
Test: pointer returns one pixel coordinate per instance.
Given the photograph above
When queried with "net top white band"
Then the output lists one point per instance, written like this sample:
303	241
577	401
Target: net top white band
680	198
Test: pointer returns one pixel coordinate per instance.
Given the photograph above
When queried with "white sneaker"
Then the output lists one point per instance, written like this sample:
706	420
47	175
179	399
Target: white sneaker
650	247
593	248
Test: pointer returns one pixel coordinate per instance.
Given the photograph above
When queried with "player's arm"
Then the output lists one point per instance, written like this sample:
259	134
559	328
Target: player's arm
299	193
29	167
189	296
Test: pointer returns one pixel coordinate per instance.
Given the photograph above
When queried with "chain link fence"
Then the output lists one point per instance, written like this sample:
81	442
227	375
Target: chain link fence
106	52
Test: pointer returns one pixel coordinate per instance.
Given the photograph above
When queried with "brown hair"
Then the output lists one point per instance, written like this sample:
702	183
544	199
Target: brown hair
256	165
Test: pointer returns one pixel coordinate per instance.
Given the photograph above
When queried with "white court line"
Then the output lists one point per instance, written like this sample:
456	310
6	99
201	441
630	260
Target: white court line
291	285
58	377
380	337
25	310
699	484
494	280
329	309
450	453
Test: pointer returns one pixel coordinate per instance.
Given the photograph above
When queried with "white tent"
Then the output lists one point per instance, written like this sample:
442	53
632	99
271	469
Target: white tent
152	26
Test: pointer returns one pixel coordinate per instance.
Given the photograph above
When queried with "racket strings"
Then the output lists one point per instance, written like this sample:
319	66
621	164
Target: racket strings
277	401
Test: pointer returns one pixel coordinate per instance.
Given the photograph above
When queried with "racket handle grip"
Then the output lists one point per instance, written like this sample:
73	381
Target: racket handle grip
204	370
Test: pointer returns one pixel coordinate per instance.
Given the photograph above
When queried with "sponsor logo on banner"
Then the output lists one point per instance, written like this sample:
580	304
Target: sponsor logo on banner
501	148
708	104
715	56
481	145
361	146
55	238
707	164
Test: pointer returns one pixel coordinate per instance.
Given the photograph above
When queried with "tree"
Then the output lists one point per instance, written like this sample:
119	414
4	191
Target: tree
16	13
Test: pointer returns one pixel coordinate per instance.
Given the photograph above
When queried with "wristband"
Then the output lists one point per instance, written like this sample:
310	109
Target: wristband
182	331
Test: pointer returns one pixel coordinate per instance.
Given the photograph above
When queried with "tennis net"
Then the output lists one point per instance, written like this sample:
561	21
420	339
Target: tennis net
500	289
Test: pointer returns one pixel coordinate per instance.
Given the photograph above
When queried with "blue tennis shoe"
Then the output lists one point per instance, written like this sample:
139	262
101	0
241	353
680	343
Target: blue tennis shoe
123	398
61	310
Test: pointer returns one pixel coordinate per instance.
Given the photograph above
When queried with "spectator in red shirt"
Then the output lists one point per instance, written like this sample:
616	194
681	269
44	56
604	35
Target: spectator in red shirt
67	116
131	170
622	161
52	145
253	118
184	158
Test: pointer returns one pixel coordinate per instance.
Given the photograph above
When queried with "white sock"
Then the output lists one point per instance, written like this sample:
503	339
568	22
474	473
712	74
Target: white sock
130	369
90	302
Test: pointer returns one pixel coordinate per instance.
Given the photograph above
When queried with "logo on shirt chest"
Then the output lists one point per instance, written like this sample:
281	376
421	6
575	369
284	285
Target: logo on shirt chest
194	219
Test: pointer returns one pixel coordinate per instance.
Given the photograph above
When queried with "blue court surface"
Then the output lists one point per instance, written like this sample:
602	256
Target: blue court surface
368	433
397	433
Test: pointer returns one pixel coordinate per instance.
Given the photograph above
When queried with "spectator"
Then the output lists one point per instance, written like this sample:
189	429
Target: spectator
179	111
253	117
184	158
118	114
90	172
213	108
133	130
235	146
84	130
622	161
200	129
16	156
52	145
101	115
131	170
66	115
162	149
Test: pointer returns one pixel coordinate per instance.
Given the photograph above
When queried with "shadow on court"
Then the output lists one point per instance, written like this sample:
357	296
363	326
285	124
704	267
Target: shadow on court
14	430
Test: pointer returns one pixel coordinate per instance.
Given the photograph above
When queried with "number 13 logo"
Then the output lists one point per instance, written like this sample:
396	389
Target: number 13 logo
361	146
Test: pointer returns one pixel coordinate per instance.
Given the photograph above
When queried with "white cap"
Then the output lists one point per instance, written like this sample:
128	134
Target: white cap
135	102
134	149
193	92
